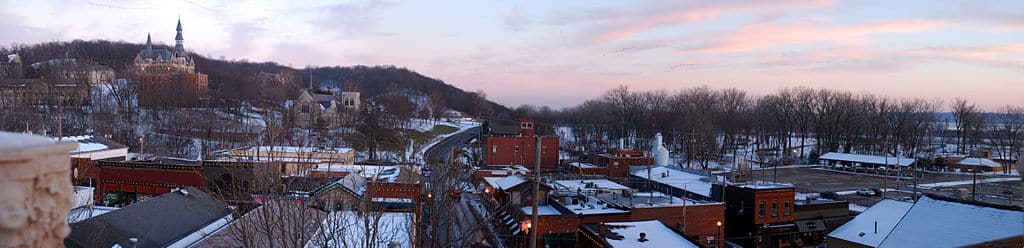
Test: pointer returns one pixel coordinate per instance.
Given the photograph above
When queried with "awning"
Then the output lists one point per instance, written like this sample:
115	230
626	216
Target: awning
810	225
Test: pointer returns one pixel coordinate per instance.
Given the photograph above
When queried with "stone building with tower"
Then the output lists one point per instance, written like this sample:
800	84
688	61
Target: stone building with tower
168	78
313	109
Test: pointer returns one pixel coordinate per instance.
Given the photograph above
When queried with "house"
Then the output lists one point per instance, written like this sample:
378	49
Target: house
11	67
314	110
650	233
176	219
933	221
510	146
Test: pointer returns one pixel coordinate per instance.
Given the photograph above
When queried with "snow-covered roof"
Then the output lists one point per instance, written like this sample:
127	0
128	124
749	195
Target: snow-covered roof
930	223
541	210
657	235
678	179
886	213
866	159
510	181
349	229
588	205
298	149
582	184
974	161
765	185
12	57
583	165
88	144
937	223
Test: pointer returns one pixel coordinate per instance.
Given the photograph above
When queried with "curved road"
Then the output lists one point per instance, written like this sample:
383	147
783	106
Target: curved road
440	151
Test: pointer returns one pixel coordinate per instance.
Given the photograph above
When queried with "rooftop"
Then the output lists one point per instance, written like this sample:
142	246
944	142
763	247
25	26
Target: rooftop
167	219
974	161
765	185
867	159
589	184
931	222
627	234
697	184
89	143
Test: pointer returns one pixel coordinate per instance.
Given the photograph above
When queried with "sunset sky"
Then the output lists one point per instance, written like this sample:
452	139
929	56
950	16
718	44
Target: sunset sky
559	53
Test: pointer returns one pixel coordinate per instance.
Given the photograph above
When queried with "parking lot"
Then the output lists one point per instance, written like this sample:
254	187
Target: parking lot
811	180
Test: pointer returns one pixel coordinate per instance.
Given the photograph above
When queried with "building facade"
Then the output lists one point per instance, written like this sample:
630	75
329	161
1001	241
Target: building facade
313	110
167	78
519	147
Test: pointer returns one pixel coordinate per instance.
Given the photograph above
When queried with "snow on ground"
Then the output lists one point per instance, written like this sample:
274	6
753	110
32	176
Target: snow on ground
967	182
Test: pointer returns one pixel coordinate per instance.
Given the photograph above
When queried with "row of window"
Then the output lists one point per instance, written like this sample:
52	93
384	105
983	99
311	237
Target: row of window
775	209
543	149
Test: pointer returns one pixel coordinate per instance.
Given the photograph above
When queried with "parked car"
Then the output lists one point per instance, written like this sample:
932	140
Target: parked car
907	199
876	190
866	192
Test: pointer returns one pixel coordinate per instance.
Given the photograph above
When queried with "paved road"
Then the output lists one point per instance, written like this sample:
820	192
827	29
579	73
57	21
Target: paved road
440	151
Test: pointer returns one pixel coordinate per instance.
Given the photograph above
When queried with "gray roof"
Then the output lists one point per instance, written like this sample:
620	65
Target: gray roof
323	99
156	222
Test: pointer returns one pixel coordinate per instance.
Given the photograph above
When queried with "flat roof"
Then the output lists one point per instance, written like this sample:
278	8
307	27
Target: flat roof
583	184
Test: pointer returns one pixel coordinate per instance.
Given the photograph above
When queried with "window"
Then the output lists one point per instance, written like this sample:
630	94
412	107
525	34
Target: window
494	148
305	108
544	150
785	209
775	208
760	209
517	148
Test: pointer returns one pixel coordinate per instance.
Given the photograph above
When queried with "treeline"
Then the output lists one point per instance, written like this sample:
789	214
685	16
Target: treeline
791	123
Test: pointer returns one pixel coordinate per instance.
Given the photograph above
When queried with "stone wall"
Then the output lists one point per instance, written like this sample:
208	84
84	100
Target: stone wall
35	190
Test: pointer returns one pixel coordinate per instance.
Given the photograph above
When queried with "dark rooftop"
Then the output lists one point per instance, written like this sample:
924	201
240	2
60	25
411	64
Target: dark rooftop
157	222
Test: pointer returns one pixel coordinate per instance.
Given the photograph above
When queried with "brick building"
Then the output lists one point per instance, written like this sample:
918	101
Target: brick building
167	78
613	165
517	146
760	214
123	182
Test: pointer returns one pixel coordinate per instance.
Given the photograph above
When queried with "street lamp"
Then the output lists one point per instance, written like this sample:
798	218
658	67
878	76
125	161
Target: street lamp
718	235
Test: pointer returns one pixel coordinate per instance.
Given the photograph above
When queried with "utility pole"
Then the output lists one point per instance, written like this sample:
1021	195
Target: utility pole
536	194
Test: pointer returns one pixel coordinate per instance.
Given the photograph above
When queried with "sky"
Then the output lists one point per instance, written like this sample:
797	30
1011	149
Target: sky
560	53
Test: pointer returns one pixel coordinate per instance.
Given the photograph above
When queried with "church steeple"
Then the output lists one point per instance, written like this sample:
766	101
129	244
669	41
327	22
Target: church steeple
179	42
149	44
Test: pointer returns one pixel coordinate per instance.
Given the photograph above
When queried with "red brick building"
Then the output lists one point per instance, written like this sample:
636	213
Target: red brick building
167	78
760	214
613	165
124	182
511	146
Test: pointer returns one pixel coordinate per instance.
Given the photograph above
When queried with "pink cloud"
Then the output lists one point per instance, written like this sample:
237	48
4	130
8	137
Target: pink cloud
620	25
767	35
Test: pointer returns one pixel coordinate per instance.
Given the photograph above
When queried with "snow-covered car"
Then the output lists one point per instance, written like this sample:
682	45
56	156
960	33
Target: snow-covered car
907	199
865	191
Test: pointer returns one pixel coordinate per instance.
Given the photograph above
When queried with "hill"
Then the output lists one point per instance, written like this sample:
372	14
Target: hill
235	81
